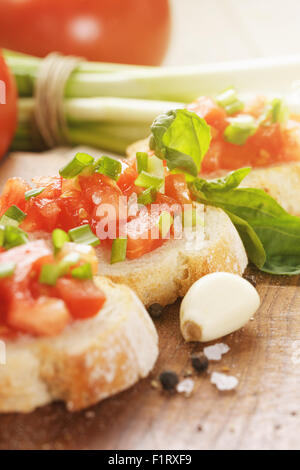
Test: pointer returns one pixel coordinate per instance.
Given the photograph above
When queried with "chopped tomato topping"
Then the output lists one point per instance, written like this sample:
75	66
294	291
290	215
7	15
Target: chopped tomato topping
83	298
30	307
269	145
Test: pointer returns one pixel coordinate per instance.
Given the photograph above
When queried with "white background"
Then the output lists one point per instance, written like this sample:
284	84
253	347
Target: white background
220	30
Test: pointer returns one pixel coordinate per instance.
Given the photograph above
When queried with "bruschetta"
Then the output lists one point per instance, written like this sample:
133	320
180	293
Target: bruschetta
267	138
130	213
69	335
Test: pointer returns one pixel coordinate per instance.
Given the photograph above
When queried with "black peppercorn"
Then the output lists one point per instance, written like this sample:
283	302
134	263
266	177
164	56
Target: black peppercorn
199	362
155	310
168	379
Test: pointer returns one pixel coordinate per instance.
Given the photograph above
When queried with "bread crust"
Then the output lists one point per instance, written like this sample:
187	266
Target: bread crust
169	271
91	360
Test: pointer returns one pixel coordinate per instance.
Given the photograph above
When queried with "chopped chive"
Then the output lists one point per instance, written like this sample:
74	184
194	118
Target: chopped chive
240	129
59	238
2	235
49	274
14	236
146	180
227	97
76	166
33	193
279	112
13	216
109	166
67	262
147	197
235	107
156	166
142	161
83	235
83	272
229	101
7	269
165	223
118	250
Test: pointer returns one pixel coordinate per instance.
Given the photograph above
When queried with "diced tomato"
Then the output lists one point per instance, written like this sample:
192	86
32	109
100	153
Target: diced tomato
176	188
83	298
52	185
13	194
42	317
28	306
213	114
143	230
127	179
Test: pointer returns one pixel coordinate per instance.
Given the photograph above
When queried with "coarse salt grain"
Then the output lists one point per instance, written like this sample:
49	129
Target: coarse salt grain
223	381
216	351
186	386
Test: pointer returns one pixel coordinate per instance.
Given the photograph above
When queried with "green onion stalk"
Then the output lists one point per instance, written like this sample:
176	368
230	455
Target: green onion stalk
107	106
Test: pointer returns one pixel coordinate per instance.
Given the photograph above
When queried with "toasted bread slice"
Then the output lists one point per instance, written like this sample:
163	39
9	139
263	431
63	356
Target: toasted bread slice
282	181
169	271
91	360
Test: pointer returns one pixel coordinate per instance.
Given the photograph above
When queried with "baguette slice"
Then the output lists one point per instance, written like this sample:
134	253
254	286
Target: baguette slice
91	360
169	271
282	181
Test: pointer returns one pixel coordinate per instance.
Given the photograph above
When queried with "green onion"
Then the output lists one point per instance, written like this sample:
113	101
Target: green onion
76	166
165	223
118	250
146	180
14	236
109	166
67	262
279	112
7	269
49	274
2	235
83	272
240	128
59	238
83	235
33	193
229	101
147	197
13	216
142	161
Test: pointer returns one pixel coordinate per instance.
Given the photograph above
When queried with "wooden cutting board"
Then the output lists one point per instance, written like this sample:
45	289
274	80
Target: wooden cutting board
262	413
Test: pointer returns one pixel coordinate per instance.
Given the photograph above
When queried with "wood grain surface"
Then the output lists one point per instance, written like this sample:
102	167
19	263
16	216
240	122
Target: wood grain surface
263	412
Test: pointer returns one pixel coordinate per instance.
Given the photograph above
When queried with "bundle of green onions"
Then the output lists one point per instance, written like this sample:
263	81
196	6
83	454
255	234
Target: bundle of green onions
107	106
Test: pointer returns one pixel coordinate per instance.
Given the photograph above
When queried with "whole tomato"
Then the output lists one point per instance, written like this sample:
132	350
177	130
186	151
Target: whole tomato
124	31
8	107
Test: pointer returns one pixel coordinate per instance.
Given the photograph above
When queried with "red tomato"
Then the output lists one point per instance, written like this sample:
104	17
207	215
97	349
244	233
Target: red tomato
83	298
125	31
176	188
13	194
8	106
28	306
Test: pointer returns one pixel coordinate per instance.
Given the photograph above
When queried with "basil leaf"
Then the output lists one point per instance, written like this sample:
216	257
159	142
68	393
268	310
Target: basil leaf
230	181
254	247
181	138
253	210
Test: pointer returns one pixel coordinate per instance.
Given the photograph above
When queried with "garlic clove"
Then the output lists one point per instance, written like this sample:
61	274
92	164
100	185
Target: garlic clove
216	305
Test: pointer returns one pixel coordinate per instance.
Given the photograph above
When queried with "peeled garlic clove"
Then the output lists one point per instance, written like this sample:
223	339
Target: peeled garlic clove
216	305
